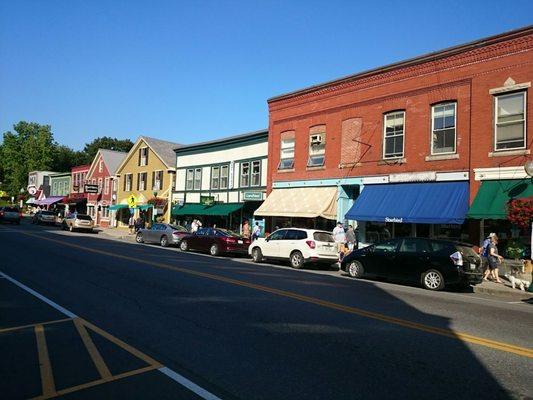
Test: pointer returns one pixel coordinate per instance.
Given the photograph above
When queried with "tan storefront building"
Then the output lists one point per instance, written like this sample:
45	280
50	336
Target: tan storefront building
144	181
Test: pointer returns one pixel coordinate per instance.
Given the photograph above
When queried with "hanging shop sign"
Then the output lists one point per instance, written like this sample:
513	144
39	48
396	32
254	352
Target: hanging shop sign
90	188
253	196
207	200
413	177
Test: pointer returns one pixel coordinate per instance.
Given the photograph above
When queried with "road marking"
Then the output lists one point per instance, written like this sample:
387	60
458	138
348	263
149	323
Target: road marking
47	378
93	351
46	370
16	328
464	337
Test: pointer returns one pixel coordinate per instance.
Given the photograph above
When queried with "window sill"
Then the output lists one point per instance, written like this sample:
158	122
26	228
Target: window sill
505	153
283	171
392	161
317	168
438	157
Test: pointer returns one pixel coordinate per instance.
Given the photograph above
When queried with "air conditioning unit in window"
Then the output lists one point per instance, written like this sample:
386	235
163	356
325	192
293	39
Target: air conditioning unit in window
316	139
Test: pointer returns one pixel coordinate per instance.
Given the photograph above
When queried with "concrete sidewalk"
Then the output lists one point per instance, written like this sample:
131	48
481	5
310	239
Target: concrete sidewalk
118	233
502	290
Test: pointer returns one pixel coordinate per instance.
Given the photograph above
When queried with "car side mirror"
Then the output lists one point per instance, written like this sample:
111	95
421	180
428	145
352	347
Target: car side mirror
267	239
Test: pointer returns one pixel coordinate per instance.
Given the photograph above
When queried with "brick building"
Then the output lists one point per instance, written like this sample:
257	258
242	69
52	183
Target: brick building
77	200
421	131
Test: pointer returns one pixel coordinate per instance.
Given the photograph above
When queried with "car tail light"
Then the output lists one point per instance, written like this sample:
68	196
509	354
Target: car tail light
175	233
311	244
231	240
1	213
20	215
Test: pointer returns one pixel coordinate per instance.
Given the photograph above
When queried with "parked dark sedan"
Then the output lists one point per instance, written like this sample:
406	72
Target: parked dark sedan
164	234
10	214
430	262
215	241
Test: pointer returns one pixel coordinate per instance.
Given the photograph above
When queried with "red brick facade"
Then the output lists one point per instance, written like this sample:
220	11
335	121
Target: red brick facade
352	110
99	175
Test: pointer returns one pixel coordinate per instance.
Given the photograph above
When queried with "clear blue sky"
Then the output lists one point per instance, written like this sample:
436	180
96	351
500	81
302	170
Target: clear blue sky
190	71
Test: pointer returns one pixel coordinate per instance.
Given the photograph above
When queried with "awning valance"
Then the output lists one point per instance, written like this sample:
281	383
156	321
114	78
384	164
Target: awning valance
189	209
223	208
49	200
492	197
306	202
425	203
200	209
117	207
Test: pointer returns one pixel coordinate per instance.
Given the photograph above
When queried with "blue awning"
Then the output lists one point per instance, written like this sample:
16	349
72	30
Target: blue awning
423	203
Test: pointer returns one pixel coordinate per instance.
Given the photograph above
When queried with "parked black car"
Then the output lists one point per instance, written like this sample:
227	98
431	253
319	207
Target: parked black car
432	263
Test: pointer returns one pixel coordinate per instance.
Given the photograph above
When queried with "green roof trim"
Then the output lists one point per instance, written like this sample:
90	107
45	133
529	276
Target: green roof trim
492	197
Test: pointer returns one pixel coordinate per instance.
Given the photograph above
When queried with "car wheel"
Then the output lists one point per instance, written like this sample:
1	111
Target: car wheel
297	260
213	250
355	269
257	255
139	238
184	246
432	280
164	241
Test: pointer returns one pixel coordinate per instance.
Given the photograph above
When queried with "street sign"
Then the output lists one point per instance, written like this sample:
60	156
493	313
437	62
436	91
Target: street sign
91	188
32	190
132	201
207	200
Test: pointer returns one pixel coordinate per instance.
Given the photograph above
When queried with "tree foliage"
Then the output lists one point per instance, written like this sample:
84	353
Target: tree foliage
105	142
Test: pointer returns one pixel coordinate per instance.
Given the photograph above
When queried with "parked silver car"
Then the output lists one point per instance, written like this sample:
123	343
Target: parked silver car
78	222
10	214
43	217
164	234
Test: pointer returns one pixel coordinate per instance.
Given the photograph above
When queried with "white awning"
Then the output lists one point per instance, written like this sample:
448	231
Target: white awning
305	202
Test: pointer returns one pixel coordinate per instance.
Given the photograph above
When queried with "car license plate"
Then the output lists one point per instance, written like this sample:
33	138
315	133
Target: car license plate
472	266
240	241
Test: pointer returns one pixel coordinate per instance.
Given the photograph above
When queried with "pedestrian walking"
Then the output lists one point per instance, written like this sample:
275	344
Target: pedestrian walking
139	224
340	237
256	233
131	224
494	259
246	229
194	226
350	238
484	254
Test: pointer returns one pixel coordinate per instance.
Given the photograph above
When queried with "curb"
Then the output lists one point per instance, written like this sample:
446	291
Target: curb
516	294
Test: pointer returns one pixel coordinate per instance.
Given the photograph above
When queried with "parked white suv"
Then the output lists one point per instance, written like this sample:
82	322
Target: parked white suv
298	246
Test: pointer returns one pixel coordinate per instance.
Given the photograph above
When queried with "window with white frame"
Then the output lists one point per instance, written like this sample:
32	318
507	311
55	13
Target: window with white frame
100	166
99	185
245	174
510	121
443	131
256	173
393	134
143	156
198	179
215	177
141	181
317	149
224	174
286	153
115	185
157	180
105	212
128	182
189	185
106	186
54	187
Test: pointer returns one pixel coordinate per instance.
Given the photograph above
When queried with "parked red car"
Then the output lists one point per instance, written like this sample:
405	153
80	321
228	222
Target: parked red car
215	241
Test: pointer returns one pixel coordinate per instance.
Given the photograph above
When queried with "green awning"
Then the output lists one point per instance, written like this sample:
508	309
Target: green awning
199	209
144	206
189	209
224	208
117	207
492	198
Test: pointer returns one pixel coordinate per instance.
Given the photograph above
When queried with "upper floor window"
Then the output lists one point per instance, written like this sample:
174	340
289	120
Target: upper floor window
510	121
393	134
100	185
287	153
128	182
256	173
141	181
224	174
215	177
317	149
443	132
143	156
157	180
54	187
245	174
189	180
100	166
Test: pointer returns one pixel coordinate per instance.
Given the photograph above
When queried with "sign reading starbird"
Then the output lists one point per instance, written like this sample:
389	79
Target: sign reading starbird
132	201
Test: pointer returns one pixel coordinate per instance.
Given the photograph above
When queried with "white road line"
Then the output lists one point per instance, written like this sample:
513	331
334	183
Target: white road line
193	387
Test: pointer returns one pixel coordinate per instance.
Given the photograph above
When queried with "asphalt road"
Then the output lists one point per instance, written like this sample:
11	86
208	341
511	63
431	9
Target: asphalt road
137	321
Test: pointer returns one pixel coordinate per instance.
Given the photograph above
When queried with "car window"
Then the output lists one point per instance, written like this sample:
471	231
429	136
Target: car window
178	228
386	247
202	232
466	251
442	247
295	234
323	237
47	213
412	245
278	235
11	209
84	217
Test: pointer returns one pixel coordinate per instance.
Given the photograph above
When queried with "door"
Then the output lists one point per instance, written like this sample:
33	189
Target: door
380	260
270	247
412	259
290	242
195	240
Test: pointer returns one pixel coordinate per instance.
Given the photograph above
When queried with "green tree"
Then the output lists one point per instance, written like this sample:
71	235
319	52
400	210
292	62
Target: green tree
65	158
105	142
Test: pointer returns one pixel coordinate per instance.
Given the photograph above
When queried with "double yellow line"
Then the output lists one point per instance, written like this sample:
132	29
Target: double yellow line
464	337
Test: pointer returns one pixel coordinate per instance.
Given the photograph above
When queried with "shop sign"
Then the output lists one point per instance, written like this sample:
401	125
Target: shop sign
32	190
253	196
413	177
132	201
91	188
207	200
394	219
231	172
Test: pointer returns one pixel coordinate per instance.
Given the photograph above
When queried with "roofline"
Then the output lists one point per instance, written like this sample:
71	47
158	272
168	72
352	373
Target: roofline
243	137
449	51
61	174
